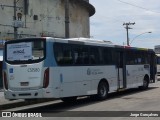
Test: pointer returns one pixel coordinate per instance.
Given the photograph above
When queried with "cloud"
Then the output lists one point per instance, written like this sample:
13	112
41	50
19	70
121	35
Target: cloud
110	15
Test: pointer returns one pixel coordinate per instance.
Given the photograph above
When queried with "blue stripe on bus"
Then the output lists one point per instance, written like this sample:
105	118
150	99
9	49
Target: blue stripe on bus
50	59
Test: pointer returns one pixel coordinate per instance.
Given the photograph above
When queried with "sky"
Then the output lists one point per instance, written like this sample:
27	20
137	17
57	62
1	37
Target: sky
107	22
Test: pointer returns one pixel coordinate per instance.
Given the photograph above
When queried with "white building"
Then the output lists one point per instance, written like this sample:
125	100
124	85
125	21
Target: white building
45	18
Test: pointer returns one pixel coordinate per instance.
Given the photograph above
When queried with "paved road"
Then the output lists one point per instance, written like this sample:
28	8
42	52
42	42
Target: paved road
131	100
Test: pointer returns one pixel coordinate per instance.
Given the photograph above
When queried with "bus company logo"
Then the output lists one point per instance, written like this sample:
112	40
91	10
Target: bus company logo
11	70
88	71
33	70
19	52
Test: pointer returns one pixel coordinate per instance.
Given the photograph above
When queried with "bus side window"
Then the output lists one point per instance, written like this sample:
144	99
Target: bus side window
94	56
63	54
131	58
79	60
108	56
81	55
67	55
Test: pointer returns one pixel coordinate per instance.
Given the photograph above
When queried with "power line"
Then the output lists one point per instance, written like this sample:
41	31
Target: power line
112	18
139	7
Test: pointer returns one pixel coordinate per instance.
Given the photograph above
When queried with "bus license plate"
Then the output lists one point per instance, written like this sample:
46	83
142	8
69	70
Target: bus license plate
24	83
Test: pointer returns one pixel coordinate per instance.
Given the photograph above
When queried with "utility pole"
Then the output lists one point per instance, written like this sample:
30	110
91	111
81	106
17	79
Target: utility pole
15	7
15	18
127	28
67	19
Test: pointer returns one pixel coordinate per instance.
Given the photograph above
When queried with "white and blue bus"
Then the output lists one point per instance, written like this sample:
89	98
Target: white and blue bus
69	68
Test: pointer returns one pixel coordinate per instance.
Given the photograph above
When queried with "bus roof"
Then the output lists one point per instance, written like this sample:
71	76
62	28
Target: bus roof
83	41
86	41
89	41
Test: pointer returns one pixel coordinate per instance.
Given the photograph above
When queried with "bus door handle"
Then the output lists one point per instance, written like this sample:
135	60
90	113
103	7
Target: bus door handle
84	84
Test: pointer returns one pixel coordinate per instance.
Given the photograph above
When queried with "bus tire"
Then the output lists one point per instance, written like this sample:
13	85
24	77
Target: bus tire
145	83
102	91
69	99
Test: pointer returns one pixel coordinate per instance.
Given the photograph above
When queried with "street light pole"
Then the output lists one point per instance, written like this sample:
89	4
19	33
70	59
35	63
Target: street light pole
138	36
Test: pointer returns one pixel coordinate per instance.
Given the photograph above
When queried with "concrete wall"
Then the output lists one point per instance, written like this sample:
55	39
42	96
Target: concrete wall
50	18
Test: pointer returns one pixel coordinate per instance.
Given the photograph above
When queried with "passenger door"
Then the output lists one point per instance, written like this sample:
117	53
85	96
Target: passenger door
121	69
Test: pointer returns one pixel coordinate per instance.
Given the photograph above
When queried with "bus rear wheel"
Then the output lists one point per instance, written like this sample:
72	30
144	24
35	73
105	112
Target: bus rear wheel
69	99
102	91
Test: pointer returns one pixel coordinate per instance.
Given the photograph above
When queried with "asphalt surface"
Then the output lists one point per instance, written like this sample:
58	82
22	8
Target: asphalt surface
133	100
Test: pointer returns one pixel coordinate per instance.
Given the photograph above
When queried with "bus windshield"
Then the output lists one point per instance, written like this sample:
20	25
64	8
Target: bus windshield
25	51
